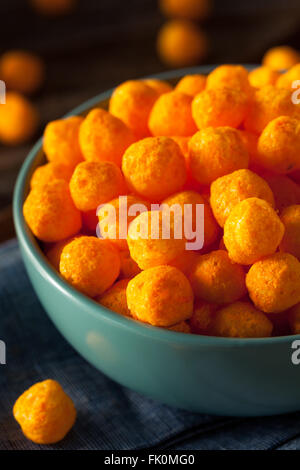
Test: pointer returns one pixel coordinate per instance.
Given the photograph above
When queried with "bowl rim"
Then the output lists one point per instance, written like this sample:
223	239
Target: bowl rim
38	259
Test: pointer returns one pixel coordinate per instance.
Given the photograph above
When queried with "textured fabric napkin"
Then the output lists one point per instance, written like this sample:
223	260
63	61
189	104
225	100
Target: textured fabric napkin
110	417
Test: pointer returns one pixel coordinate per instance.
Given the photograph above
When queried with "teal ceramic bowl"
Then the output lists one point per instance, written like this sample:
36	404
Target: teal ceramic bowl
224	376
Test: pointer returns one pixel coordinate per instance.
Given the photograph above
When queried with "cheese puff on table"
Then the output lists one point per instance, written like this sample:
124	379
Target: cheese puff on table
290	217
216	279
226	192
146	163
50	212
61	144
21	71
90	265
45	412
161	296
215	152
273	282
252	230
189	9
115	298
18	119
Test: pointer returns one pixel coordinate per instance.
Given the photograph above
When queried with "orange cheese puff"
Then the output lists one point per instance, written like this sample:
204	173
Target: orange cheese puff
216	279
279	145
172	115
191	183
115	298
21	71
132	102
53	251
182	327
49	172
45	412
89	221
215	152
161	86
202	318
294	319
241	320
53	7
263	76
104	137
211	230
231	76
161	296
191	84
273	282
151	239
250	141
18	119
226	192
94	183
181	43
50	212
269	103
184	261
154	168
189	9
61	143
252	230
90	265
129	267
281	57
286	192
109	224
220	107
286	79
290	217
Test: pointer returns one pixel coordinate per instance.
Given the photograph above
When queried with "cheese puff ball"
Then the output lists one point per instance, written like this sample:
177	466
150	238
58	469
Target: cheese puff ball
279	145
151	239
109	225
290	217
129	268
273	283
89	221
184	261
241	320
211	230
286	192
132	102
220	107
286	79
252	230
45	412
115	298
201	320
90	265
294	319
50	212
183	142
154	168
191	84
216	279
215	152
104	137
189	9
180	43
172	115
61	144
263	76
226	192
161	86
49	172
160	296
281	57
231	76
21	71
18	119
250	141
53	7
269	103
94	183
53	251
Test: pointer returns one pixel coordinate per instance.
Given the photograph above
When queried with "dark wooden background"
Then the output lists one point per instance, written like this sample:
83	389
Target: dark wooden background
103	42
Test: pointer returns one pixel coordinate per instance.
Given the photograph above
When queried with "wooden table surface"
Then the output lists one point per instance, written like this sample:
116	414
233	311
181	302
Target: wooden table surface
104	42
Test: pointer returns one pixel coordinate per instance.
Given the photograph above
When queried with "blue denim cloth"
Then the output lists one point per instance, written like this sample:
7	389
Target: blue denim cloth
110	417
